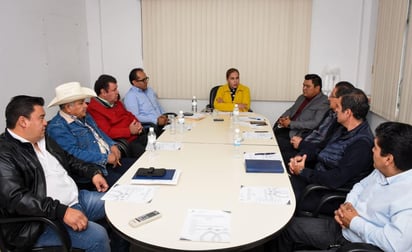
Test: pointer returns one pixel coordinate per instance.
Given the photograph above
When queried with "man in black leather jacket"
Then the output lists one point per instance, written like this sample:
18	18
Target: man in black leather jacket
35	181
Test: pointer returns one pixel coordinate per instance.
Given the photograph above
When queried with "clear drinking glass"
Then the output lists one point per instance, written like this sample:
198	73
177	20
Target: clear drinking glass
172	124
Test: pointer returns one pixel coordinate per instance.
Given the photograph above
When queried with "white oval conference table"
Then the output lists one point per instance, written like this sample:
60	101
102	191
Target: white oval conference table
211	177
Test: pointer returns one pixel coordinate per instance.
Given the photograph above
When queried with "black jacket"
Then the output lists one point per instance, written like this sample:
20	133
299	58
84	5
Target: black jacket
23	187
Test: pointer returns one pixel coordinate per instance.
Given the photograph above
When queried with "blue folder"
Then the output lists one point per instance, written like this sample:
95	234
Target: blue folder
264	165
168	176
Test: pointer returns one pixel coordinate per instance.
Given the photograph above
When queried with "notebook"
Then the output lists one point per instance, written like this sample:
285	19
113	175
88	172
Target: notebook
264	165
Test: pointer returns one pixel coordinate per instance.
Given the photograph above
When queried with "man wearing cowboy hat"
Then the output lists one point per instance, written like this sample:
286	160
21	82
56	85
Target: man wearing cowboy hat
77	133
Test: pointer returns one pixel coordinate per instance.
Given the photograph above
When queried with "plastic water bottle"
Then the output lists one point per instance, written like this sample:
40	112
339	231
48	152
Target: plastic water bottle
151	140
237	139
194	104
181	121
235	113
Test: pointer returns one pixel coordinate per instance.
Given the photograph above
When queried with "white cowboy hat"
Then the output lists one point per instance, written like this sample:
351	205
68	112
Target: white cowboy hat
69	92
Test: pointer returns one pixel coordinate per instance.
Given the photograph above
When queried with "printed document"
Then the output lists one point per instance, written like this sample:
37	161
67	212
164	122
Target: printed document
265	195
207	225
130	193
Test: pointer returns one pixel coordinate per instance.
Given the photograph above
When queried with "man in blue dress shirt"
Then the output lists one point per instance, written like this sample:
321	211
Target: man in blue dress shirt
141	101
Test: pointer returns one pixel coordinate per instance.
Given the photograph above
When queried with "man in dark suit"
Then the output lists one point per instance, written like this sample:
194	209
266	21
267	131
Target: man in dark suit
304	115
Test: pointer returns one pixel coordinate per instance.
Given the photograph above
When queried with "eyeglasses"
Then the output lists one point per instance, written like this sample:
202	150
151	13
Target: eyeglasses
143	80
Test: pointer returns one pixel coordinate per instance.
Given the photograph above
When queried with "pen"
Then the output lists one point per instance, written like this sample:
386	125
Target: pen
265	153
255	118
261	131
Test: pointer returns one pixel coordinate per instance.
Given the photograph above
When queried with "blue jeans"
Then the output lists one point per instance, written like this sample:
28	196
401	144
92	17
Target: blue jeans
95	237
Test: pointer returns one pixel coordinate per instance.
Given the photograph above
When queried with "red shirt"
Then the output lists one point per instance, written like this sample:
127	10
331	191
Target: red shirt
114	121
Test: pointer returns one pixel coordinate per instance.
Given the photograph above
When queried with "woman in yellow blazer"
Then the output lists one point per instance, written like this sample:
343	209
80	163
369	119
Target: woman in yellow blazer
232	93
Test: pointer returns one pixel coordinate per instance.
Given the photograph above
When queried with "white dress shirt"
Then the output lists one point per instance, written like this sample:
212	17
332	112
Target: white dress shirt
58	183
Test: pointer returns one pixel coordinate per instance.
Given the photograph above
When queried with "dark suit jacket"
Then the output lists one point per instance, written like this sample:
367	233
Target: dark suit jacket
311	115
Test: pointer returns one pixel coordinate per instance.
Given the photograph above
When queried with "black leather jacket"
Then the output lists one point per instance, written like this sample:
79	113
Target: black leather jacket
23	187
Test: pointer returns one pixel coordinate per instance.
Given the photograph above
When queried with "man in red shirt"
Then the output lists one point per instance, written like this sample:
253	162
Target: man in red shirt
112	117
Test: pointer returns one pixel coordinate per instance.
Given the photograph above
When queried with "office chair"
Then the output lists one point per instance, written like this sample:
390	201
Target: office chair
60	231
335	197
329	196
212	96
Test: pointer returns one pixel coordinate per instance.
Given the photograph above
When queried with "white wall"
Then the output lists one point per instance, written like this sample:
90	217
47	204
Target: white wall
115	39
343	37
43	44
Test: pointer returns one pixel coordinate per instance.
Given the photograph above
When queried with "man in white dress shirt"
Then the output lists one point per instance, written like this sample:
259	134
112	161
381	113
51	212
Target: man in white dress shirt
35	181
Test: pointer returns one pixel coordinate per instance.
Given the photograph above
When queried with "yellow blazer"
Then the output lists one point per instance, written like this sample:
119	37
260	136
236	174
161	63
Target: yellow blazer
242	95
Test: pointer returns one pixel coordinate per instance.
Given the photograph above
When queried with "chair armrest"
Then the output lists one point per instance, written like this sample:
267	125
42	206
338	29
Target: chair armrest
61	232
331	194
170	113
148	124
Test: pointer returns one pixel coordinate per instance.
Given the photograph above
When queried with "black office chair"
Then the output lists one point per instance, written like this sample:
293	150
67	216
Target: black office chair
60	231
212	96
334	197
329	196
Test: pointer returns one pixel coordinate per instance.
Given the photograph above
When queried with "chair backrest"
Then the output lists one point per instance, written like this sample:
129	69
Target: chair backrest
212	96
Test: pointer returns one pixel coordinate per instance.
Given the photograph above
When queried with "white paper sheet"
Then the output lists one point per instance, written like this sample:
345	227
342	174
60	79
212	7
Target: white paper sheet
207	225
130	193
168	146
264	195
263	155
257	135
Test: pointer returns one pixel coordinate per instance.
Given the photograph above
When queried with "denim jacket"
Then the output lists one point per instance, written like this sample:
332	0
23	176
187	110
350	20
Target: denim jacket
77	139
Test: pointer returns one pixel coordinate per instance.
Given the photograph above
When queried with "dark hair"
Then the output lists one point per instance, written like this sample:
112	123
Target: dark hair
316	80
357	102
103	83
343	87
21	105
133	74
231	70
396	138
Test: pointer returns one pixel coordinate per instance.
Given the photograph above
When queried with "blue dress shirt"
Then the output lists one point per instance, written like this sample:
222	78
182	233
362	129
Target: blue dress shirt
143	104
384	205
